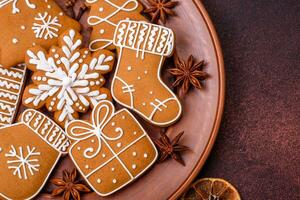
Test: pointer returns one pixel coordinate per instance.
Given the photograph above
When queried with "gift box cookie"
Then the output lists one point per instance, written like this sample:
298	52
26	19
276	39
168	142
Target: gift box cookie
26	23
29	150
11	85
111	150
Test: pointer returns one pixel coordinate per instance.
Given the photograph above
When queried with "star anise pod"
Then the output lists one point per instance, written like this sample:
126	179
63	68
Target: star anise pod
170	148
69	186
160	9
188	74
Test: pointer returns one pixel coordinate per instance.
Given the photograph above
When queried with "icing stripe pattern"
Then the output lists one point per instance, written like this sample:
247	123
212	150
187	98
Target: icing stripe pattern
46	129
150	38
11	84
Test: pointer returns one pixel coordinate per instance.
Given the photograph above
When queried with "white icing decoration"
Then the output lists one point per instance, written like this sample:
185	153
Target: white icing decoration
81	130
11	73
157	39
23	162
134	166
145	155
96	131
15	40
54	134
46	126
43	127
93	20
4	119
9	96
37	121
11	82
60	140
14	5
148	39
71	85
46	26
134	153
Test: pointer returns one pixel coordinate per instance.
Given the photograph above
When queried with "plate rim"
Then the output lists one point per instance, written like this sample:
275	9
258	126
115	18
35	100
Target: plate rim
221	101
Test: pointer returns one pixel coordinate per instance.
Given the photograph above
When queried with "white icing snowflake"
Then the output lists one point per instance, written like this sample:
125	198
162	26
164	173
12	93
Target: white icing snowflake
23	162
14	5
46	26
68	80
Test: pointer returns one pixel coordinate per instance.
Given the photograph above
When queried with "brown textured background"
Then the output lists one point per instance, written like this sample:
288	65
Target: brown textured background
258	147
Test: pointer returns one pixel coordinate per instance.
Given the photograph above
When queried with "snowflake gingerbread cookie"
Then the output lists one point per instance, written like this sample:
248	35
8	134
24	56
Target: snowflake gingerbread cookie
29	150
67	80
112	150
105	16
137	84
26	23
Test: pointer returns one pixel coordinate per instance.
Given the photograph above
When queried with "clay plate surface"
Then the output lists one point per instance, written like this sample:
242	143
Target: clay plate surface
202	113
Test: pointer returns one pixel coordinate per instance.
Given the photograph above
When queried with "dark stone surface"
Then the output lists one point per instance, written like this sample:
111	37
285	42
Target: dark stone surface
258	147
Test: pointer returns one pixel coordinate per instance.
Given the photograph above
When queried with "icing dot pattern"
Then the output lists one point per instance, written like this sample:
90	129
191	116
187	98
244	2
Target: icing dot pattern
119	161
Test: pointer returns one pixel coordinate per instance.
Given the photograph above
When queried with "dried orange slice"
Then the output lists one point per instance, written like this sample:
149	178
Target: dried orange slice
211	189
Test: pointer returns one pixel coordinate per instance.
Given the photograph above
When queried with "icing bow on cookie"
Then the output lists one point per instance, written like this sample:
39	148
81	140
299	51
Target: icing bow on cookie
81	130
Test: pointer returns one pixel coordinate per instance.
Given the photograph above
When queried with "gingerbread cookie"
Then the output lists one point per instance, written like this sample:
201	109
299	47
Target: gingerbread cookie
11	84
26	23
111	150
29	150
105	16
68	80
137	84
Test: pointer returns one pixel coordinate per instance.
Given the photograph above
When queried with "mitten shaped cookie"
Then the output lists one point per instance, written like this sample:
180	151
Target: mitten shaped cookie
29	151
26	23
67	80
105	16
11	85
137	84
111	150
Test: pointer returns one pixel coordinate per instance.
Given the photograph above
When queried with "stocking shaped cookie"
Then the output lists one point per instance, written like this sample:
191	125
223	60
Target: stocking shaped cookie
11	84
26	23
67	80
29	151
137	83
105	16
111	150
